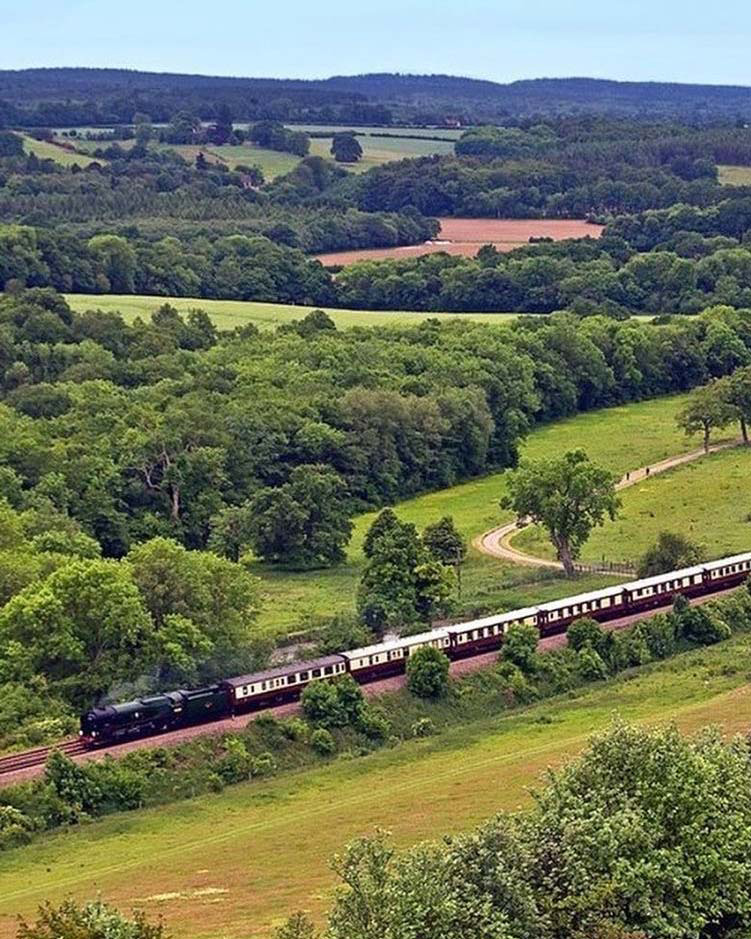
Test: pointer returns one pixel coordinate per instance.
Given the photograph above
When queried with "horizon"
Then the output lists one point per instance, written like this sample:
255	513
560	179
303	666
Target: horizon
681	43
399	73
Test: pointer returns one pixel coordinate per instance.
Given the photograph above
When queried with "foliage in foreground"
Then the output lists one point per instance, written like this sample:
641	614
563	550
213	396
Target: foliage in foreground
94	920
647	834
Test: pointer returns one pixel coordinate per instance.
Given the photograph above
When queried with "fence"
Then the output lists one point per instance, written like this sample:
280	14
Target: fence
607	567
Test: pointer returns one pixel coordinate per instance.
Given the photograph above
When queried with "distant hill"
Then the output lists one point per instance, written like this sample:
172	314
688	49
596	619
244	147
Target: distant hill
70	94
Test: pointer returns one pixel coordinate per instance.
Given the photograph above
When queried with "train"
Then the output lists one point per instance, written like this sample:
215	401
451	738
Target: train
175	709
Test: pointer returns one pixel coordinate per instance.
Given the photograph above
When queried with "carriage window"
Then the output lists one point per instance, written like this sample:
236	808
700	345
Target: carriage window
327	670
303	676
316	673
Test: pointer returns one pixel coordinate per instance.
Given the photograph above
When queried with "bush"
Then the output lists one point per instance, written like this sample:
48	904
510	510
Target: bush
293	728
235	765
699	625
94	920
15	827
373	724
520	647
584	632
322	742
333	703
423	727
591	666
515	686
428	672
263	765
659	635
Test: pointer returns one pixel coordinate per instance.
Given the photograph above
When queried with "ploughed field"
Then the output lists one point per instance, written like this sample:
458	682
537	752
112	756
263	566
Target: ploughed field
465	237
237	863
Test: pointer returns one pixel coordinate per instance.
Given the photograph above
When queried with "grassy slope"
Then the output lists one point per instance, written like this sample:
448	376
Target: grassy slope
233	865
230	313
620	438
735	175
707	501
49	151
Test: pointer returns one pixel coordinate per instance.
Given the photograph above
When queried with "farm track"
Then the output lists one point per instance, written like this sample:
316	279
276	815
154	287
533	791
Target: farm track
497	541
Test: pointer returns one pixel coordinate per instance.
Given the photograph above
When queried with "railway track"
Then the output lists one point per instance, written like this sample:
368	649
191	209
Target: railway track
38	757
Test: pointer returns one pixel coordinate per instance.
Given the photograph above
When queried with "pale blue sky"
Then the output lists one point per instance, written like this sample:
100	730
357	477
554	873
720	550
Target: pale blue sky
674	40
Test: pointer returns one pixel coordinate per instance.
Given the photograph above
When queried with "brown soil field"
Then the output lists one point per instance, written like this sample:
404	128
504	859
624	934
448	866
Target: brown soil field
465	236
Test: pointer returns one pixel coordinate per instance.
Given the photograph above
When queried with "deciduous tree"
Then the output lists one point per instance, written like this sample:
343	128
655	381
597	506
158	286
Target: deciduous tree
568	496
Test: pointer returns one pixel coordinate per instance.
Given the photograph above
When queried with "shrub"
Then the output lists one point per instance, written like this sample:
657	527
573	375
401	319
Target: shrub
520	647
584	632
236	764
322	742
15	827
659	635
423	727
263	765
293	728
95	920
373	724
333	703
428	672
591	666
699	625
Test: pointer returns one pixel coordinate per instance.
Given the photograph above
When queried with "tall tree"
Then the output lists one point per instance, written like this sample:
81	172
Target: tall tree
305	522
707	409
569	497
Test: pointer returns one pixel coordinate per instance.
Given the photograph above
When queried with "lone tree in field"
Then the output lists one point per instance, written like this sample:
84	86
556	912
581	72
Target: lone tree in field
346	148
569	497
706	410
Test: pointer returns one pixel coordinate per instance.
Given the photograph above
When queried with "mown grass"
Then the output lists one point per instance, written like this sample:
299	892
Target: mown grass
235	864
49	151
708	501
227	314
735	175
379	150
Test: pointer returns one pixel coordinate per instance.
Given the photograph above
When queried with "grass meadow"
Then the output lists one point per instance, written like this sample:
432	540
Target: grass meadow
237	863
49	151
227	314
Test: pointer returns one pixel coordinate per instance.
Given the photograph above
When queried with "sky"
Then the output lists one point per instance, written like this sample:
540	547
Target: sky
501	40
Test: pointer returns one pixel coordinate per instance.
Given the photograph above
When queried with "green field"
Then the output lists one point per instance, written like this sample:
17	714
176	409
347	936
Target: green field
378	150
235	864
735	175
708	501
230	313
49	151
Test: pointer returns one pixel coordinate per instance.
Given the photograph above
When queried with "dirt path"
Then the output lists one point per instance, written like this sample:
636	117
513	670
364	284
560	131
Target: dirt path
497	541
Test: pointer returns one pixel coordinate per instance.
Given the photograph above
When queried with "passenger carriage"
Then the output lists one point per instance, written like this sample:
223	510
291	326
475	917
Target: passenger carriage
390	657
284	683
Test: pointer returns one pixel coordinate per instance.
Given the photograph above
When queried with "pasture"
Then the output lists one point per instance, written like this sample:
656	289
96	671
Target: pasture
708	501
237	863
227	314
46	150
